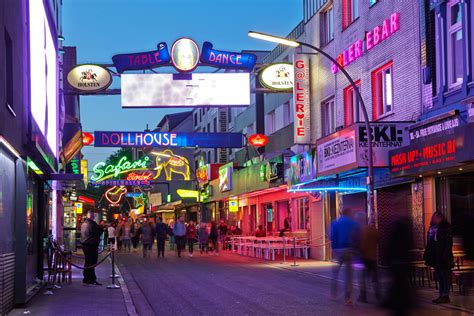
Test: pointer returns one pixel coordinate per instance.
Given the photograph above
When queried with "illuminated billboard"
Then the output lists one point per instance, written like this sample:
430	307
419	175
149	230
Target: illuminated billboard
43	74
185	90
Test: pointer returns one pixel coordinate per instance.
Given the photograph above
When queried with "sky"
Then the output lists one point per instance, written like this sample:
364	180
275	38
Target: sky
102	28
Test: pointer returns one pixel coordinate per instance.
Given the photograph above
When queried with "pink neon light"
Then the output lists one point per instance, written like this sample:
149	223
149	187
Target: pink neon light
372	39
43	74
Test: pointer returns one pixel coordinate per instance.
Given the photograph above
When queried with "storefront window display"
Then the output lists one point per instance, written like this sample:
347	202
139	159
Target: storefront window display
7	195
302	213
31	233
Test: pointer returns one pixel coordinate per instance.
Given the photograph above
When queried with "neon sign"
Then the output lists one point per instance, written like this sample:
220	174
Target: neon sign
87	138
258	140
157	139
225	177
372	39
115	194
185	54
188	194
102	171
145	60
222	59
146	175
171	163
140	200
301	95
122	182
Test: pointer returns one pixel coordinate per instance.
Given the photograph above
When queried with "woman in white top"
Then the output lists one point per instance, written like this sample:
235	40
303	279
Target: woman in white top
111	233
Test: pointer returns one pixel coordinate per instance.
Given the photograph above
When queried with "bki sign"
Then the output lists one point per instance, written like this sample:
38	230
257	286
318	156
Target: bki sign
89	78
301	93
278	77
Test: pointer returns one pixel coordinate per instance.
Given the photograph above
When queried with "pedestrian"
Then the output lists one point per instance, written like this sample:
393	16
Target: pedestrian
90	239
135	237
286	227
213	236
343	241
104	238
203	236
439	254
223	230
161	231
126	237
260	232
368	254
146	233
111	234
170	234
191	237
179	232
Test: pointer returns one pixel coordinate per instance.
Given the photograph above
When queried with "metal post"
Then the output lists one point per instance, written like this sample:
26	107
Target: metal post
294	253
113	285
284	251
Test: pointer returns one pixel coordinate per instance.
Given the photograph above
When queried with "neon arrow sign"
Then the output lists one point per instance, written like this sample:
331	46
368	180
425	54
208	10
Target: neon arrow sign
103	171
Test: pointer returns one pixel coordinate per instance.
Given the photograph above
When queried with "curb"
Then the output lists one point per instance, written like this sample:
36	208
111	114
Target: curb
131	310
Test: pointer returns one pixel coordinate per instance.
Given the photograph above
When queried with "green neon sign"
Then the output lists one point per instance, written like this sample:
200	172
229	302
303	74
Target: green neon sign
102	171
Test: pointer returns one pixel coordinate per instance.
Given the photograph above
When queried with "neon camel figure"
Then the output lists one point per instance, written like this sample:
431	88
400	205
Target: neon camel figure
171	163
115	194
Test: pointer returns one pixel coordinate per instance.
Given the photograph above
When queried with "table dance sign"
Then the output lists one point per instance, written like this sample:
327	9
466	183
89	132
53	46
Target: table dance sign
159	139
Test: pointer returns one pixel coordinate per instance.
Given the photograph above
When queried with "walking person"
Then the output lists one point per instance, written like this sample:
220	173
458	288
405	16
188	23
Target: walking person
179	232
343	241
439	254
170	234
161	231
135	237
126	237
147	236
213	235
203	236
286	227
191	237
111	234
90	239
368	254
223	230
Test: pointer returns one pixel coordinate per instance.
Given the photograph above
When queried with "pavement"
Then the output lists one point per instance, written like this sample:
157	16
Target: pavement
226	284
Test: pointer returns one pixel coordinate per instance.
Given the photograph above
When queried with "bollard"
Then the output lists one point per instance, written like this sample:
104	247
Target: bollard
294	253
113	285
284	251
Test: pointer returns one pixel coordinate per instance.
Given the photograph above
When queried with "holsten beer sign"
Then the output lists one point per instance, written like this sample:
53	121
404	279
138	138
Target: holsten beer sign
158	139
89	78
278	77
301	95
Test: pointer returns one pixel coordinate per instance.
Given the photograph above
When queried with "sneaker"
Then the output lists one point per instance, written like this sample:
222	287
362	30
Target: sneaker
95	283
443	300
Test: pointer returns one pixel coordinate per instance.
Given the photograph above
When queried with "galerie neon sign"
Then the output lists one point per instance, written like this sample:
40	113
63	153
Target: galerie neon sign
103	171
372	39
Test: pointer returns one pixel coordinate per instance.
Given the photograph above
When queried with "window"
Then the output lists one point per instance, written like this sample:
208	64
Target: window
350	12
328	117
351	113
9	70
215	156
327	26
286	114
209	127
270	123
209	156
215	125
454	37
302	212
382	90
196	119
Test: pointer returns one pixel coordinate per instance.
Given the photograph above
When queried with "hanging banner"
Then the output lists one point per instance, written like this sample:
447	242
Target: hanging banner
222	59
89	78
158	139
145	60
301	97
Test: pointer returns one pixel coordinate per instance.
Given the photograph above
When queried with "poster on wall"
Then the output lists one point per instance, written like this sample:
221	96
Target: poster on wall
225	177
301	97
302	167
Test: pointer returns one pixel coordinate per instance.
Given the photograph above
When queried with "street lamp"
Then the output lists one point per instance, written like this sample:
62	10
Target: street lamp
370	169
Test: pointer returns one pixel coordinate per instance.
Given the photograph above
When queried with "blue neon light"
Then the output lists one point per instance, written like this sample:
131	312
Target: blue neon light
327	189
222	59
145	60
157	139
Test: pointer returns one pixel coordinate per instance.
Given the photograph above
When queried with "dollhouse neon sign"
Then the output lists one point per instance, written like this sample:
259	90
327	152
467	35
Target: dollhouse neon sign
372	38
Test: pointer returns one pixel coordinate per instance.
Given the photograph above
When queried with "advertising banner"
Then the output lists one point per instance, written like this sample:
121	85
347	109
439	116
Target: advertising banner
144	60
303	167
301	97
222	59
337	152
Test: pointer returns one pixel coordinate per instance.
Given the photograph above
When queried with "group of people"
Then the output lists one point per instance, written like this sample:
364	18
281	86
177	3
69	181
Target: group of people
353	239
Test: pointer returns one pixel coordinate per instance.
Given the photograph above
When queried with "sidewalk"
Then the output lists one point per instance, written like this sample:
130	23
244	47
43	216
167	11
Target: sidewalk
79	299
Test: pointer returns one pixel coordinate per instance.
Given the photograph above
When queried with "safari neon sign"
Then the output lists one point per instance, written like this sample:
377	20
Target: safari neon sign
104	171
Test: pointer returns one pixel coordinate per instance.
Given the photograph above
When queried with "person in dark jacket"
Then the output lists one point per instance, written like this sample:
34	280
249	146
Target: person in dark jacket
203	236
179	232
213	235
439	254
286	227
90	240
191	233
161	231
147	237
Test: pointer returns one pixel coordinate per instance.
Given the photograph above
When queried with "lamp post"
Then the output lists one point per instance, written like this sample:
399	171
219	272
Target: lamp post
370	169
195	177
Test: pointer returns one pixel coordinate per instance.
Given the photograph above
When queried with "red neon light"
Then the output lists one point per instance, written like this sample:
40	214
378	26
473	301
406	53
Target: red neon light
147	175
258	140
115	194
84	199
201	175
87	138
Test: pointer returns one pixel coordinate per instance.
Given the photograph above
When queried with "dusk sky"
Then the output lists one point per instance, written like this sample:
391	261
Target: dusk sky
101	29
